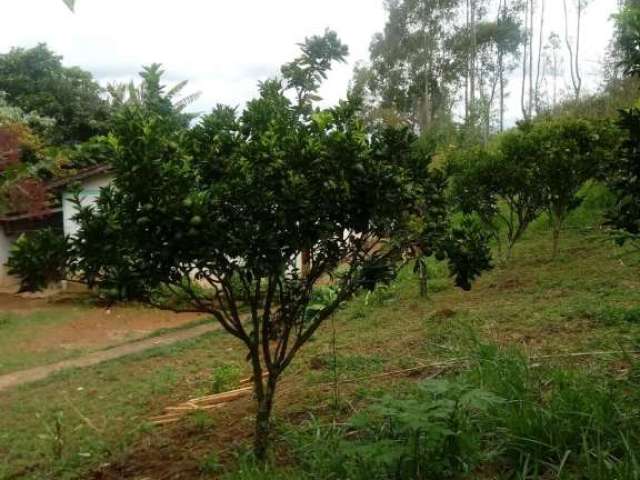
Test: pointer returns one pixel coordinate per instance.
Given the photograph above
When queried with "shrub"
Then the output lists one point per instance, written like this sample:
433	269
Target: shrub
38	259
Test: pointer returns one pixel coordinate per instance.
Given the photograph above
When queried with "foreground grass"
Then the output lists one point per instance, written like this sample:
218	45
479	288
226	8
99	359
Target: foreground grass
586	300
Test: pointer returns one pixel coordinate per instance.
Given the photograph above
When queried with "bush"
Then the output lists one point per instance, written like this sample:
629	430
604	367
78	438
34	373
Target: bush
503	414
39	259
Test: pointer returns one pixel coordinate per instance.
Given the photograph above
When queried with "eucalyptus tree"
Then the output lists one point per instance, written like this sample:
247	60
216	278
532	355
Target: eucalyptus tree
411	63
573	43
508	39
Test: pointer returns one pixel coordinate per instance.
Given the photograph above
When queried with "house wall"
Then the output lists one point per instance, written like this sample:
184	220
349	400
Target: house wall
5	246
88	195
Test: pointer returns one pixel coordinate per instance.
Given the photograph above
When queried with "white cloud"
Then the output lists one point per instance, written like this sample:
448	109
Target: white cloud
225	47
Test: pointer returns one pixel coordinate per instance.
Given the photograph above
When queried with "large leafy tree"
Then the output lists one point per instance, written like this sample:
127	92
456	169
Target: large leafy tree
35	80
223	212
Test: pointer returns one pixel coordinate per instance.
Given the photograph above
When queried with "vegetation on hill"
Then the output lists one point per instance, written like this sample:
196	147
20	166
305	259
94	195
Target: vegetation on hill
285	216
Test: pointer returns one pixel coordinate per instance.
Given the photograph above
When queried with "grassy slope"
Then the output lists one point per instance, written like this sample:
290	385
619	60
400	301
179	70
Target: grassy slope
583	301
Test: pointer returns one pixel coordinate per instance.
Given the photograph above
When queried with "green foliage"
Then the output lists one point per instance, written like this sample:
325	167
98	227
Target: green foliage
624	180
499	184
237	200
152	95
426	435
536	167
608	315
38	259
306	73
570	152
500	414
412	71
35	80
211	465
628	39
225	377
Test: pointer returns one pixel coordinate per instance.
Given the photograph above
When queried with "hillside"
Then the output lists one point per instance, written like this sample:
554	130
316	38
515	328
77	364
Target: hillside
585	301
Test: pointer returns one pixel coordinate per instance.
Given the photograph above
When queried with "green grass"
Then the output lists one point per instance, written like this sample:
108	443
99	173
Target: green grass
586	300
16	329
116	397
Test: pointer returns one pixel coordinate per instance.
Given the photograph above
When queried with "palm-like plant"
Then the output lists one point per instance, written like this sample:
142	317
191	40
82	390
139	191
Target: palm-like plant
150	94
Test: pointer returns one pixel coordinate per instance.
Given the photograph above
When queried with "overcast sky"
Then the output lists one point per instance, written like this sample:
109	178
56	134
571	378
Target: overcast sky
224	47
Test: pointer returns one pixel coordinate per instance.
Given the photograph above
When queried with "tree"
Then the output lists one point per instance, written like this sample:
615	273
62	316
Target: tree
624	177
627	39
570	152
574	49
234	203
499	183
412	68
624	180
508	40
36	81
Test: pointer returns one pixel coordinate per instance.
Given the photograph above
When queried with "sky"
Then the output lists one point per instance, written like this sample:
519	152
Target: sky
224	47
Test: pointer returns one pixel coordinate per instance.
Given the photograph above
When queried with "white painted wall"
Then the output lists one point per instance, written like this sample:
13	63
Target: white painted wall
90	192
5	246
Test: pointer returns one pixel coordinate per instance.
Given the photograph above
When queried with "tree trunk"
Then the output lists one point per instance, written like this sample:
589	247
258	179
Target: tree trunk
474	48
524	65
424	280
305	263
501	72
540	44
573	62
577	59
263	418
556	241
531	89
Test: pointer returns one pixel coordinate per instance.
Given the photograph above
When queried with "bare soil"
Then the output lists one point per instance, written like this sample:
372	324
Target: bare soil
90	326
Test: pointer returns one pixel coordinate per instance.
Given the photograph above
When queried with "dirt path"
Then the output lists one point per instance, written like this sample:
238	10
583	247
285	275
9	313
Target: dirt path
31	375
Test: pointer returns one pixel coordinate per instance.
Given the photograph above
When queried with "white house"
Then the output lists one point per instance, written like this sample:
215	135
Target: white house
58	216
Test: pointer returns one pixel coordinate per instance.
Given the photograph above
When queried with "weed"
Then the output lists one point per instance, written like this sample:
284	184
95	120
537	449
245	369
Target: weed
225	377
210	465
200	421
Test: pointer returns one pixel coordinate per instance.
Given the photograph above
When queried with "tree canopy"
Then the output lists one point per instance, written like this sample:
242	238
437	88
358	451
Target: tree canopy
35	80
